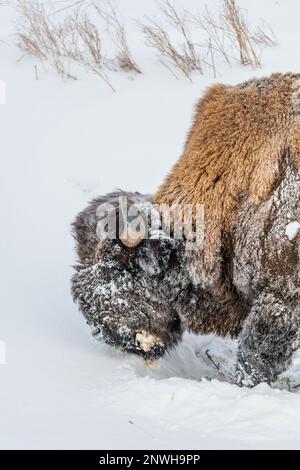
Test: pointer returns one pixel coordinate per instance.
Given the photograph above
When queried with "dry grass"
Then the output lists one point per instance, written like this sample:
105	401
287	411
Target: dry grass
264	36
108	11
185	56
239	31
226	34
69	37
214	33
75	39
234	19
179	22
229	32
156	37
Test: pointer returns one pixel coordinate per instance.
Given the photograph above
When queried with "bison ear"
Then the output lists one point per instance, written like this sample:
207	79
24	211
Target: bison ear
132	224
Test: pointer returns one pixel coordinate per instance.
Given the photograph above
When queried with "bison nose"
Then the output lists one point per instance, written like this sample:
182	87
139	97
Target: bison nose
150	345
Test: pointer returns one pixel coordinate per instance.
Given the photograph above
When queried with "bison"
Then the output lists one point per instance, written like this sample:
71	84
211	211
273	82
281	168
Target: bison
139	292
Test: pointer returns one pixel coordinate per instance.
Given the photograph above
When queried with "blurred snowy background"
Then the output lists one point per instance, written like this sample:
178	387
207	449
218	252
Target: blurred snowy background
64	141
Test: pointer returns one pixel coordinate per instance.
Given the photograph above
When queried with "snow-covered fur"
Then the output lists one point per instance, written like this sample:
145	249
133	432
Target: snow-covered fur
141	299
124	292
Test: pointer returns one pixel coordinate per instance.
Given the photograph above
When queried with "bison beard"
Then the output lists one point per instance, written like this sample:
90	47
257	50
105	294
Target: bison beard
241	161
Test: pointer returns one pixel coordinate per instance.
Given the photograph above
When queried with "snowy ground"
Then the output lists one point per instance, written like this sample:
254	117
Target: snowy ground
61	144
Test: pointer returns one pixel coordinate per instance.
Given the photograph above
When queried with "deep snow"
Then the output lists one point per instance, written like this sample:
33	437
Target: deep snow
61	144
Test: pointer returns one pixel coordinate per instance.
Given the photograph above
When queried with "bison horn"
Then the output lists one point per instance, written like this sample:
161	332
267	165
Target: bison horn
135	230
134	233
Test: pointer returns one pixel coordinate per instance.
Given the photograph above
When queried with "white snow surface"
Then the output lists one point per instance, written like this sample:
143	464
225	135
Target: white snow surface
62	143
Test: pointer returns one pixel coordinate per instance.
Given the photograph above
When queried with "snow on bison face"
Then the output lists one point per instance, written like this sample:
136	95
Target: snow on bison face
126	285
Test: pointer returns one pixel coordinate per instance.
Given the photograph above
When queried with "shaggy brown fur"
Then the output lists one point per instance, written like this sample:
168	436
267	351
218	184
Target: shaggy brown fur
234	151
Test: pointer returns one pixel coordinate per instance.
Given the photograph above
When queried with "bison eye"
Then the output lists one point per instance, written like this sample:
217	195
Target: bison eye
133	232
